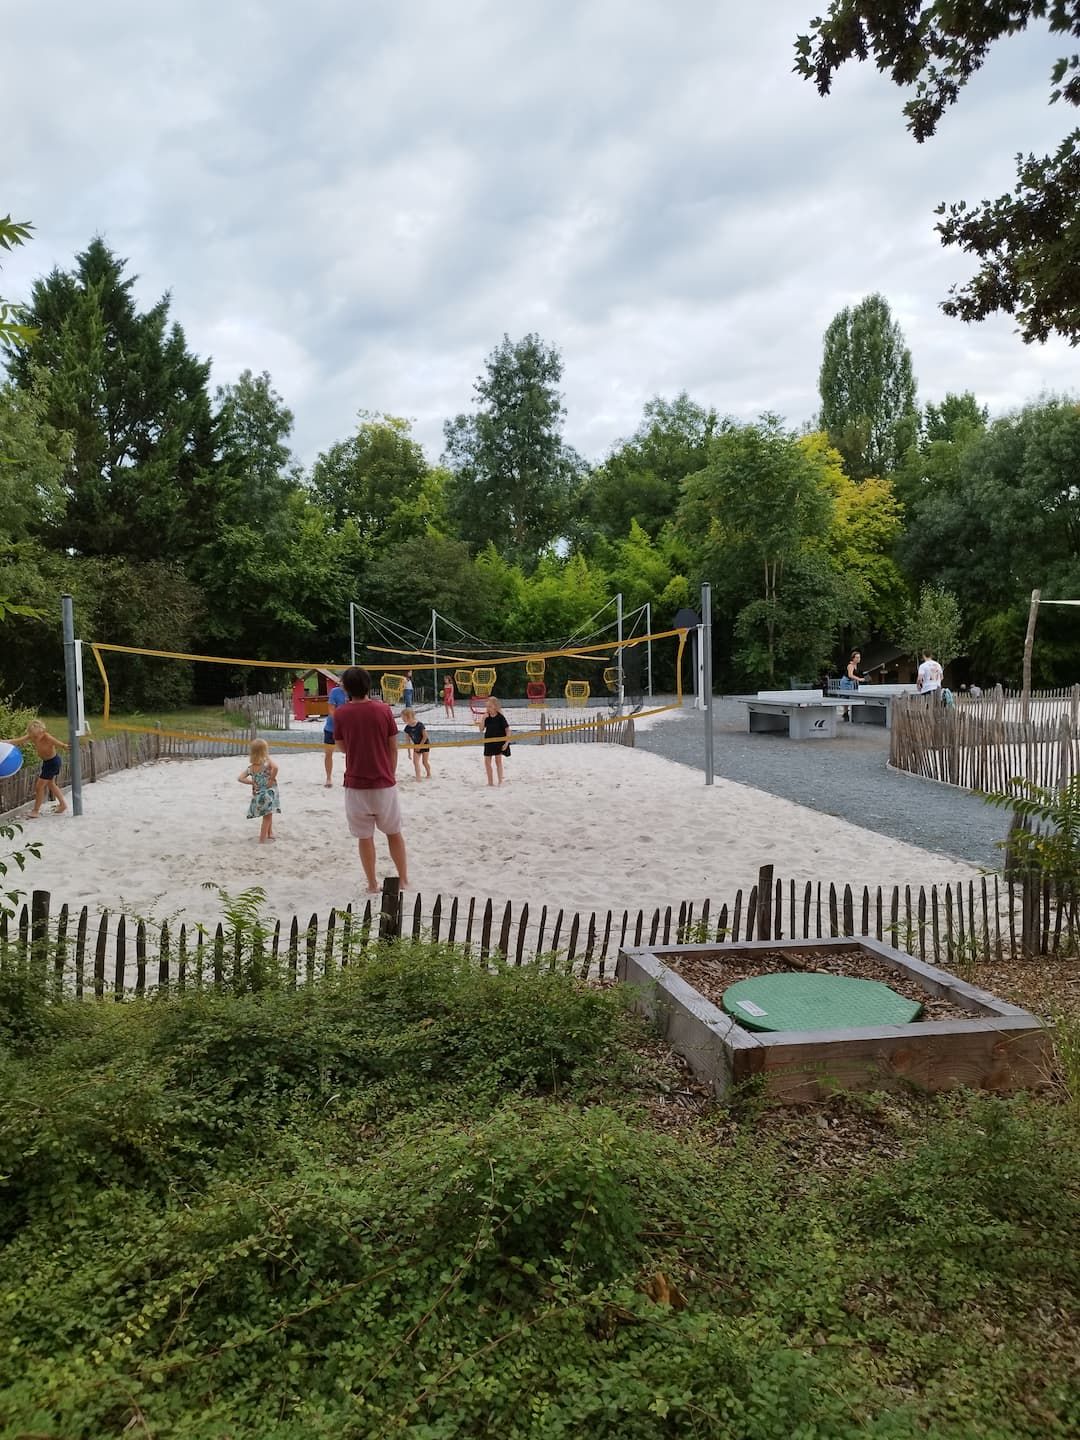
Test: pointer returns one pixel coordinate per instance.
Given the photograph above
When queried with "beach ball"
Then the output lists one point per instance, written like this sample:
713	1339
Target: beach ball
10	760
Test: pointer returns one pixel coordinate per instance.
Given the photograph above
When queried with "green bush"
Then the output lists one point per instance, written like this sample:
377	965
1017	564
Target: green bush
14	719
421	1200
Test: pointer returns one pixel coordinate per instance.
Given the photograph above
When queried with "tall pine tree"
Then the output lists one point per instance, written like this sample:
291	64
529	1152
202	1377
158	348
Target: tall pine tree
133	398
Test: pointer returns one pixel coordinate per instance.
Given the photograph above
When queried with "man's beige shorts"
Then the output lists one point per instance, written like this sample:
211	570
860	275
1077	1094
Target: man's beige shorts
364	809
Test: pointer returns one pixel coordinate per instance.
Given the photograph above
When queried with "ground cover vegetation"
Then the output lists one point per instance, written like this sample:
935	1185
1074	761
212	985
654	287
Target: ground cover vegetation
179	519
419	1199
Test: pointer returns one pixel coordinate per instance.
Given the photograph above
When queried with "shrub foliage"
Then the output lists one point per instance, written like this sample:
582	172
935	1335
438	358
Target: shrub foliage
417	1199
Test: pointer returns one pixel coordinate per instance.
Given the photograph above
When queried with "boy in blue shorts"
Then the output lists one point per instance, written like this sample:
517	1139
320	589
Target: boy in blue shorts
46	746
336	697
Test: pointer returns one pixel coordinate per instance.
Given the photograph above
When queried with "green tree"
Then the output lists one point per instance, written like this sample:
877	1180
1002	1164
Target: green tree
381	481
126	602
638	484
866	523
12	331
409	579
512	472
644	570
32	459
1006	522
867	388
134	400
931	465
253	428
934	624
757	518
16	443
279	583
1027	242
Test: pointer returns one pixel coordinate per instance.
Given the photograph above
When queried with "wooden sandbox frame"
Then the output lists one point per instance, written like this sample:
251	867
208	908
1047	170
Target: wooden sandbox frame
1001	1048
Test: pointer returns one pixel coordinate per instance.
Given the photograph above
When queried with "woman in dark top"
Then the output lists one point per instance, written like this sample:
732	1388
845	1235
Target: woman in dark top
496	739
853	671
419	743
852	679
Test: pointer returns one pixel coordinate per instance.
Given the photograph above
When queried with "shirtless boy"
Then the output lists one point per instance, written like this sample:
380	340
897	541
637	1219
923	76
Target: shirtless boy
46	746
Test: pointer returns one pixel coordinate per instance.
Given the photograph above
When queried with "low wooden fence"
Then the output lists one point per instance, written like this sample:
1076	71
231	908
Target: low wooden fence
123	751
76	953
594	729
985	744
128	748
268	711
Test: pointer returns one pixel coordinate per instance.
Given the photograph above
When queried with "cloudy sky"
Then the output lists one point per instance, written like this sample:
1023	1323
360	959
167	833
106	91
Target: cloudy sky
362	197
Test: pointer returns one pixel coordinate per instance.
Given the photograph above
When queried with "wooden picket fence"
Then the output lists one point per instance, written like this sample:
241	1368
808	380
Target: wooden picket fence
592	729
75	953
123	751
266	711
127	748
986	744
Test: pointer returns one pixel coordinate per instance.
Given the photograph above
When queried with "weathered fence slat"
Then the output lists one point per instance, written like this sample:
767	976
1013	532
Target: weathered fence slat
942	924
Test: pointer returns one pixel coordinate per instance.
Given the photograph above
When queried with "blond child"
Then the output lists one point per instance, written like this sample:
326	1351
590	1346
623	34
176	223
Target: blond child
46	746
496	739
419	742
261	774
448	696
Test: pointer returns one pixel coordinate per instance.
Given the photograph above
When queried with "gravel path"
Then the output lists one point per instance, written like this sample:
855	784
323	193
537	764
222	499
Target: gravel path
845	777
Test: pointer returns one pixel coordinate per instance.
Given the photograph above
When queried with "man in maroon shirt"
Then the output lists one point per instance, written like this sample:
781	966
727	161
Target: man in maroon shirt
366	731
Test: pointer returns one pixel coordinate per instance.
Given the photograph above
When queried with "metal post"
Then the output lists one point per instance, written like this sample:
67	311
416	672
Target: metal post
434	661
648	643
618	618
706	676
67	612
352	633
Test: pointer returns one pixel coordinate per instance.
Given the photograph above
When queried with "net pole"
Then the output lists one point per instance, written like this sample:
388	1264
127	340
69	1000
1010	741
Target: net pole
352	633
434	660
67	614
619	673
706	676
648	643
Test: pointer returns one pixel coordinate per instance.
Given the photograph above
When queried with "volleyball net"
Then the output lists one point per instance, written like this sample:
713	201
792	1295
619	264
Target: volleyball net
544	691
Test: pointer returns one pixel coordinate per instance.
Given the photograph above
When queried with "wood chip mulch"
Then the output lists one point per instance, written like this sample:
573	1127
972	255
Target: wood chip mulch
711	976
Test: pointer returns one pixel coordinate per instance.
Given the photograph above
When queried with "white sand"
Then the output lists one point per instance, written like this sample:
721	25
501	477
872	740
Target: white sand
584	827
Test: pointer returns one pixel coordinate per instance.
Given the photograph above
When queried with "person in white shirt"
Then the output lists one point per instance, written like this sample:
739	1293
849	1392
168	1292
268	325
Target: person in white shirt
930	675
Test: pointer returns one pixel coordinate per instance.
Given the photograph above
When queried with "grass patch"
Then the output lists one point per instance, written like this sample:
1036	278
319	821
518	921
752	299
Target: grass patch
416	1199
192	717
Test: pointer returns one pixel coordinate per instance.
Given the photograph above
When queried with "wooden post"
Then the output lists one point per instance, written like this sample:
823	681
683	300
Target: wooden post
390	914
39	933
765	902
1029	641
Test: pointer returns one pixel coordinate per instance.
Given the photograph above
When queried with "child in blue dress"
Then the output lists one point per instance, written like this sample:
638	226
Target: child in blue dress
261	774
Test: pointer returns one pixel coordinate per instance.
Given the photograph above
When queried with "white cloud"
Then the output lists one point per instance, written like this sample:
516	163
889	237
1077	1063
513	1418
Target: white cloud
363	199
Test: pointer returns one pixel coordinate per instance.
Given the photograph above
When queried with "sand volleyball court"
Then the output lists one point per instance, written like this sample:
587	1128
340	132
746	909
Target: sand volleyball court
584	827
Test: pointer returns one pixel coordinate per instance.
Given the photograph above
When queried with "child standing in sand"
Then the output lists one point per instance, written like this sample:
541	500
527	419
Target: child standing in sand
448	696
46	746
419	742
496	738
261	774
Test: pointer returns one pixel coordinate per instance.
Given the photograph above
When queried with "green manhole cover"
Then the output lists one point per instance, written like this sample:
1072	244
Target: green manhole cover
801	1001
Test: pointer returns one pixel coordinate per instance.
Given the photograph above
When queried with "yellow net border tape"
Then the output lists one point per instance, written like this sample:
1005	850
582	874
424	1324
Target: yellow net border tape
578	651
518	737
